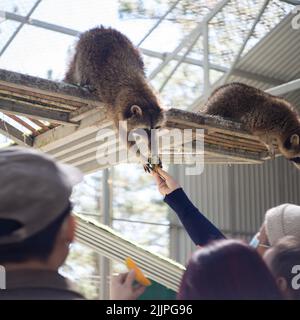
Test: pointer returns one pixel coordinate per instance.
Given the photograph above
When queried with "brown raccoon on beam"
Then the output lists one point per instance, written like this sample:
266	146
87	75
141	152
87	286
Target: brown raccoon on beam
107	62
269	117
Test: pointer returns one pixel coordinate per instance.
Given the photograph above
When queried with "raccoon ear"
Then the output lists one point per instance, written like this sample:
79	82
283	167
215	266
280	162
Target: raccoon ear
295	139
136	110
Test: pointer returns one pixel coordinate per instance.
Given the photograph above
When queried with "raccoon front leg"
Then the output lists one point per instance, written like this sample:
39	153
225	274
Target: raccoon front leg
89	88
269	142
150	166
153	144
271	150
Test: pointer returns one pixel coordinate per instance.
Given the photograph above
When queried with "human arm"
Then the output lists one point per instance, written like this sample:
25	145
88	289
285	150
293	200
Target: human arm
199	228
122	287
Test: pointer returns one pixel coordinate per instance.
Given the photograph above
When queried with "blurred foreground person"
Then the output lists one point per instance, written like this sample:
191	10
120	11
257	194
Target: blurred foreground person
36	225
283	260
227	270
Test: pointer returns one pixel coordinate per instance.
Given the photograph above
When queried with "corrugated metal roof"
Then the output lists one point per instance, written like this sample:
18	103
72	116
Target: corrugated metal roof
276	56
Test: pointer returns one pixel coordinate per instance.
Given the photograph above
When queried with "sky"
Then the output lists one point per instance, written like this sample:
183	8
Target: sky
35	51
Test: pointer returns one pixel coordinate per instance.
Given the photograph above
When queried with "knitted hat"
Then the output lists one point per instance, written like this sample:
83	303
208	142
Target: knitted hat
283	220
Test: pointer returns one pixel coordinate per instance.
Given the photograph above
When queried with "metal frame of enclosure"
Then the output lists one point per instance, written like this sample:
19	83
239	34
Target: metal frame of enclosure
63	120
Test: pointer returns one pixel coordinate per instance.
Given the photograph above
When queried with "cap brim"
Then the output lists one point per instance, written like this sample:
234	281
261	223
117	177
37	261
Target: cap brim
73	174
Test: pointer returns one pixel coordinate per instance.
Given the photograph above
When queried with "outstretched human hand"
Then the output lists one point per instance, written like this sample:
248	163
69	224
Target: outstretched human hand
166	183
122	287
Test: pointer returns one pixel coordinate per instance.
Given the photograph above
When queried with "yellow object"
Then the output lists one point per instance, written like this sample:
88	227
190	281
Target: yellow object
139	276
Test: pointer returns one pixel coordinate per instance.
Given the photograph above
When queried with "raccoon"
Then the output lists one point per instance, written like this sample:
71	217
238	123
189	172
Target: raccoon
269	117
107	63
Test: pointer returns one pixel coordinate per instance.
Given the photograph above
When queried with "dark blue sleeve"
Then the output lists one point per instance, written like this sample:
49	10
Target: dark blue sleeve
199	228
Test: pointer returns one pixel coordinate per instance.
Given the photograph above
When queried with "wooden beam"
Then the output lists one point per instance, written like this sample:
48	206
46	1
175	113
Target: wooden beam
40	85
84	112
61	135
28	110
14	134
199	120
37	98
225	141
23	123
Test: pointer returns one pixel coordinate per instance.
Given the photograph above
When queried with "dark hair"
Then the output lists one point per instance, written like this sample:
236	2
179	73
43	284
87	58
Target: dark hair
286	254
38	246
226	270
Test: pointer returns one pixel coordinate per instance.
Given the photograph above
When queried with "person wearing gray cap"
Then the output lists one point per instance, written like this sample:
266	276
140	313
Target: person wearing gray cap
36	225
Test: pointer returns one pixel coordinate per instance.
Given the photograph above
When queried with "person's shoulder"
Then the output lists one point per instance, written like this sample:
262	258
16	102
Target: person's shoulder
38	285
39	294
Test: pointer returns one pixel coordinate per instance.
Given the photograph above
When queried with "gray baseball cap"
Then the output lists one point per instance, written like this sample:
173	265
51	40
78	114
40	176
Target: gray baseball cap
34	190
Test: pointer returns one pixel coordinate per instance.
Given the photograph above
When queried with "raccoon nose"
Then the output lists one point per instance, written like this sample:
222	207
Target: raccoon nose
148	131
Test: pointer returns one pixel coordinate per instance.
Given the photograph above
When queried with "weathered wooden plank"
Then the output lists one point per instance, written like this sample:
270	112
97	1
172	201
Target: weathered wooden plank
23	109
59	102
40	85
233	144
50	95
201	120
61	135
236	154
23	123
39	99
245	141
14	134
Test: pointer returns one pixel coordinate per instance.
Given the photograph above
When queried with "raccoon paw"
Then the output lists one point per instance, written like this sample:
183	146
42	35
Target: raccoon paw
151	166
147	168
160	163
271	150
156	160
89	88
